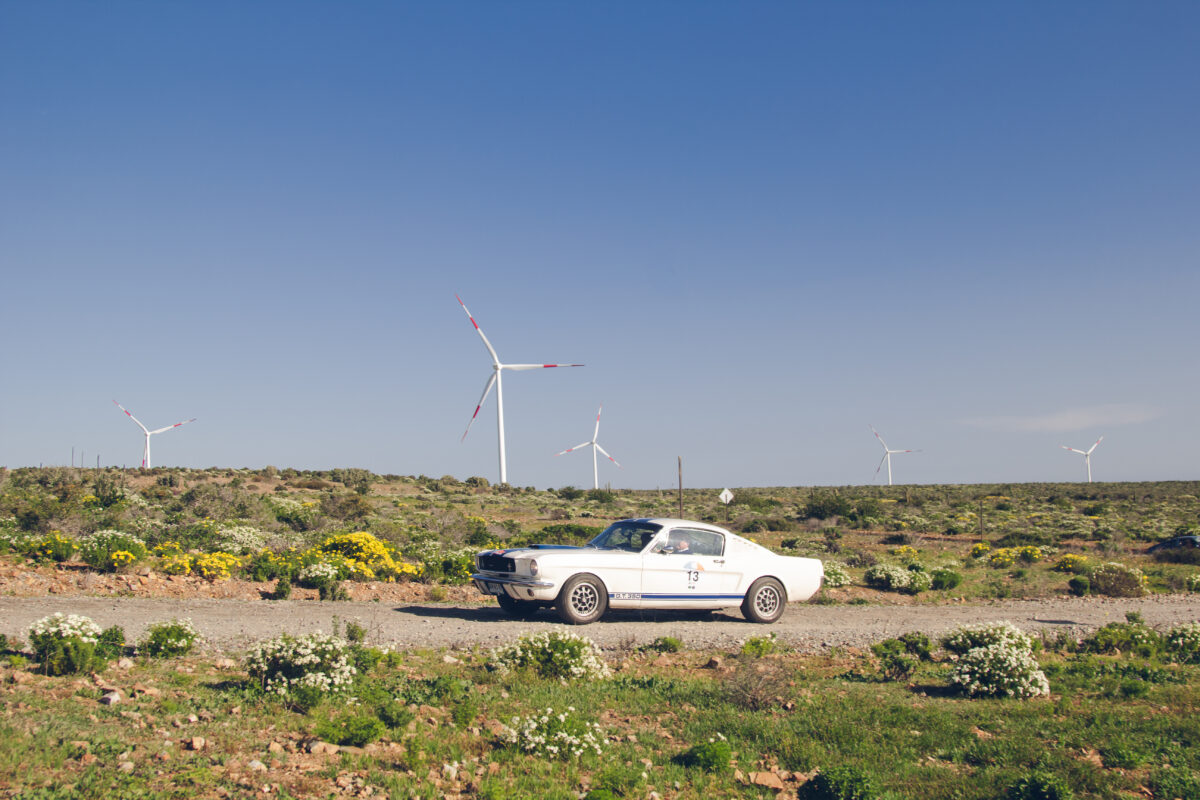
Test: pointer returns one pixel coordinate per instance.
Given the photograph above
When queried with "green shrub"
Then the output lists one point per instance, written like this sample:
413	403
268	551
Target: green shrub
836	575
1114	579
353	729
1121	755
283	588
944	578
552	654
302	668
666	644
111	642
839	783
1175	782
100	549
52	546
65	645
896	579
968	637
1183	643
553	734
394	714
758	646
999	670
1040	785
1080	586
1192	583
715	755
1124	637
169	639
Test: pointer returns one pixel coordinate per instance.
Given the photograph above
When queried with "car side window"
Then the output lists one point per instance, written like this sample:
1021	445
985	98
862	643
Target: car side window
702	543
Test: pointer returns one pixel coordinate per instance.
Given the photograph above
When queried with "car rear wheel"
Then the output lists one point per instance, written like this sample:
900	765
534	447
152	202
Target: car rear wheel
517	608
765	601
583	599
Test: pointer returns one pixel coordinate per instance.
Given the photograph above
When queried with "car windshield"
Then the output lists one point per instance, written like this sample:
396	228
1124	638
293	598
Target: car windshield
627	535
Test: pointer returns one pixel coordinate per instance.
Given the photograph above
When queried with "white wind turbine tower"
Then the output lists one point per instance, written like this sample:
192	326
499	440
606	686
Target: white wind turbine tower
497	370
595	445
887	454
1087	456
149	433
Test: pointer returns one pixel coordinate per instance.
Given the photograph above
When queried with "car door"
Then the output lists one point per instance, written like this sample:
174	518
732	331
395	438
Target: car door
695	577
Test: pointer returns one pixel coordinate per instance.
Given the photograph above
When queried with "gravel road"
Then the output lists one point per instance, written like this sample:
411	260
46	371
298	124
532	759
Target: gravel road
233	625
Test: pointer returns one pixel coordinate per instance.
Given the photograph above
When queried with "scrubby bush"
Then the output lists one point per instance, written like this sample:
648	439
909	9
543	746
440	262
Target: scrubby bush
351	728
836	575
1114	579
111	642
64	645
1192	583
1183	643
303	668
169	639
666	644
1080	586
969	637
552	654
1040	785
839	783
759	646
897	579
944	578
1073	563
51	547
553	735
215	566
715	755
1124	637
999	670
97	549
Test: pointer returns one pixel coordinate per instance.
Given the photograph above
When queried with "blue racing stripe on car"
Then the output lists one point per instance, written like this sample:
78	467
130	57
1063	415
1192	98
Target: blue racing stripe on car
693	596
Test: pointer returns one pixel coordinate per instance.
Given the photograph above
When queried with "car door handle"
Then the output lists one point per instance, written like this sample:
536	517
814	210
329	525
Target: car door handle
718	561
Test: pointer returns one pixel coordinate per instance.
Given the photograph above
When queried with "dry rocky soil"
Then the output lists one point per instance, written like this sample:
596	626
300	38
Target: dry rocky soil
231	615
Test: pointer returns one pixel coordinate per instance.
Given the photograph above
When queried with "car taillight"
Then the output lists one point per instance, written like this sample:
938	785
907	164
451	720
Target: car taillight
533	566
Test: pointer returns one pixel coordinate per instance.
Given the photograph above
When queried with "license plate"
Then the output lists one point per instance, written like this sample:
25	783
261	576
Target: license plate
495	588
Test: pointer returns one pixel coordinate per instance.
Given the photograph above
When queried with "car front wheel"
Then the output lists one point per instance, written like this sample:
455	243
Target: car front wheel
765	601
583	599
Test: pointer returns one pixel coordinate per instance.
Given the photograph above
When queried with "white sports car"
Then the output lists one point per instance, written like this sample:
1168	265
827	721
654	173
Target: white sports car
648	563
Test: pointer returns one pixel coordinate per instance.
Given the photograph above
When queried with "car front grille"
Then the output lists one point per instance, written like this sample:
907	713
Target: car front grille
494	563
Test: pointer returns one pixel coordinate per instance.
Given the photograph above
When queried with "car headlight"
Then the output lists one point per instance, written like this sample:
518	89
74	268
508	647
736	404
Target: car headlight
533	566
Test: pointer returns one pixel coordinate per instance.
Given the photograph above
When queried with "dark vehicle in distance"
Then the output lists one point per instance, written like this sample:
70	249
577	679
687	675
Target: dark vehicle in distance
1175	542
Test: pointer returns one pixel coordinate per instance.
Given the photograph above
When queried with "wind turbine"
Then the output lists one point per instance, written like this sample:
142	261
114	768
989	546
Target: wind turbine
887	454
1087	456
595	446
149	433
497	371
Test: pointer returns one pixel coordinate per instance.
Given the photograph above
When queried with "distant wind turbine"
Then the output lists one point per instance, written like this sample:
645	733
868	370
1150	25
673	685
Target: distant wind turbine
149	433
1087	456
887	454
595	445
497	370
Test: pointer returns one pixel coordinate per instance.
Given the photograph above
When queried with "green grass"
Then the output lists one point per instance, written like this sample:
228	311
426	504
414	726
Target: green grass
910	739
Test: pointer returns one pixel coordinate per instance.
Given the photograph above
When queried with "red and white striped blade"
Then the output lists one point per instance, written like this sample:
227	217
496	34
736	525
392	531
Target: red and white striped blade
596	433
176	425
881	463
537	366
572	449
877	436
131	416
606	455
1093	447
483	397
486	343
1073	450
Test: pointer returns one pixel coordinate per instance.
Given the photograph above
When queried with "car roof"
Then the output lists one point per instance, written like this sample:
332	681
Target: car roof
675	522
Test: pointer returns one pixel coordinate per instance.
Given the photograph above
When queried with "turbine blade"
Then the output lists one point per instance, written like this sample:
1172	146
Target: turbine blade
536	366
606	455
885	455
596	433
572	449
1073	450
176	425
880	438
482	398
131	416
1093	447
486	343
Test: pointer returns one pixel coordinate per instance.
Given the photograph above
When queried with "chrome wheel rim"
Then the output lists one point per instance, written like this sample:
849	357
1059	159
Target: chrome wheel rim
766	601
585	599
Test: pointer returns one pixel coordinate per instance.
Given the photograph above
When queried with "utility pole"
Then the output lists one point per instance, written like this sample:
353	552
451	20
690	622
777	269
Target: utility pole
680	486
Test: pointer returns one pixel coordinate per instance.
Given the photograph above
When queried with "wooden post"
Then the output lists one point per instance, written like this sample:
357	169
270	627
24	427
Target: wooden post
981	519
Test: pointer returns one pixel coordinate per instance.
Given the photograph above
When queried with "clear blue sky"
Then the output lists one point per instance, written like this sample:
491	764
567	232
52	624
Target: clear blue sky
762	227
